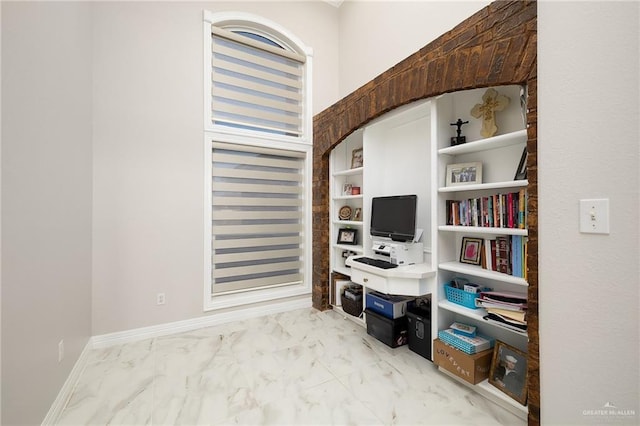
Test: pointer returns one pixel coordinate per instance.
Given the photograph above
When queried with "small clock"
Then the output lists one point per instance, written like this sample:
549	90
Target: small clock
344	213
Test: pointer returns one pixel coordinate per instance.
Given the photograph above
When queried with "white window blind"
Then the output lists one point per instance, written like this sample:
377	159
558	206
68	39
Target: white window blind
257	217
255	85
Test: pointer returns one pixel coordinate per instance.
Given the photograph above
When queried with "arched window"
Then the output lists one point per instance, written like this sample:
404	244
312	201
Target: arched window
257	162
259	78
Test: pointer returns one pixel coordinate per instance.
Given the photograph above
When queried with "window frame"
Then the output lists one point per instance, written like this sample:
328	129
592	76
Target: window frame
302	143
238	21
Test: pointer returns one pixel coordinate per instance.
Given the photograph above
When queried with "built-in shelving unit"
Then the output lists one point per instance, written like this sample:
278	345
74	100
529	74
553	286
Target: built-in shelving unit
500	156
396	151
344	173
407	151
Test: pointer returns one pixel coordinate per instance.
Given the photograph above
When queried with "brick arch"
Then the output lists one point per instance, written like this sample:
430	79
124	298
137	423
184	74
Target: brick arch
495	46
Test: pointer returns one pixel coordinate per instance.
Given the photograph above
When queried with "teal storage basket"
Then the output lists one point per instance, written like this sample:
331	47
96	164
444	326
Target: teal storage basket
460	297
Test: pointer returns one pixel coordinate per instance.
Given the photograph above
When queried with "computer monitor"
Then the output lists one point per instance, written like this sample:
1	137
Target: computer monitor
394	217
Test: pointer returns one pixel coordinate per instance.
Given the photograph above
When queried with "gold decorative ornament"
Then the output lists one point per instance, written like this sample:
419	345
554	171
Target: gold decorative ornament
492	101
344	213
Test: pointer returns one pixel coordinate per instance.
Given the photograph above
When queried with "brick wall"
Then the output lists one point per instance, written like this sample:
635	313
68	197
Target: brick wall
496	46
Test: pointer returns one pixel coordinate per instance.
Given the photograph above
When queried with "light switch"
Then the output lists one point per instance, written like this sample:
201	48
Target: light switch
594	216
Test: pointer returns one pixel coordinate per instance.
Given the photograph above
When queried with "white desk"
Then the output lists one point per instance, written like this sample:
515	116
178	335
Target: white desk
410	280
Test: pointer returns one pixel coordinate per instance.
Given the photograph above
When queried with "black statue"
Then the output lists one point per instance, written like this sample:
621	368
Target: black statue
459	139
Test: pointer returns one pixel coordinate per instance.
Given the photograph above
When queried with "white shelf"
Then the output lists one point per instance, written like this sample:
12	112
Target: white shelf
348	197
343	270
348	222
479	272
476	314
357	249
349	172
484	230
500	141
492	393
486	186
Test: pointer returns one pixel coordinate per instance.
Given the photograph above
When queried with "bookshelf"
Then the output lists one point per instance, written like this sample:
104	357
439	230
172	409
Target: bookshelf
500	156
344	176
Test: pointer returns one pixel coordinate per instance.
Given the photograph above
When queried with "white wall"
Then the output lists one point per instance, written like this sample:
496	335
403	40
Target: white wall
148	181
375	35
588	139
46	201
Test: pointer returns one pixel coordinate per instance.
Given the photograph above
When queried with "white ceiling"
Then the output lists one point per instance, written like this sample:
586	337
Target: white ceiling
335	3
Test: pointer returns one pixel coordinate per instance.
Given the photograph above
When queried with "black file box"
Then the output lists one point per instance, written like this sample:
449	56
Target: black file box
419	329
391	332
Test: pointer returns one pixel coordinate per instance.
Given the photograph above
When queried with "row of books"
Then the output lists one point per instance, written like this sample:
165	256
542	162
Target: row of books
507	309
505	254
506	210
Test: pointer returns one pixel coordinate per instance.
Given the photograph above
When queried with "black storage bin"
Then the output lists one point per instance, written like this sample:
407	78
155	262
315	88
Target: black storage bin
352	299
391	332
419	327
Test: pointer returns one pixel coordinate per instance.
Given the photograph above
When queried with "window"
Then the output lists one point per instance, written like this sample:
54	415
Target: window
256	85
257	162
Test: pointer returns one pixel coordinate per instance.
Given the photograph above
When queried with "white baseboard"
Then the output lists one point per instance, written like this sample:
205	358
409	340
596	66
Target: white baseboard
241	313
67	389
127	336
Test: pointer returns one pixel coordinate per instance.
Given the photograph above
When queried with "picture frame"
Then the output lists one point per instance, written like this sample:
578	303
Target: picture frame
347	189
471	251
464	174
348	236
521	172
357	214
357	159
509	372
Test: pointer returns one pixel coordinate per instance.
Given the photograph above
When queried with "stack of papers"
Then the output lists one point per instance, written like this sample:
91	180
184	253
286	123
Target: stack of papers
507	309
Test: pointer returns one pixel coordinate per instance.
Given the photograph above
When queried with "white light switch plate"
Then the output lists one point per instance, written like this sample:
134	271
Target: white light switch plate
594	216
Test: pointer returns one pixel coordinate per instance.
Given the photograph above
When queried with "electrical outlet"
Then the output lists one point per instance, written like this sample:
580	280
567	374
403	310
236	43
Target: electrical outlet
160	299
60	350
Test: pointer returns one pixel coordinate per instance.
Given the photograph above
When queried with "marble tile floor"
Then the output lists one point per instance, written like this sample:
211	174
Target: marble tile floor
302	367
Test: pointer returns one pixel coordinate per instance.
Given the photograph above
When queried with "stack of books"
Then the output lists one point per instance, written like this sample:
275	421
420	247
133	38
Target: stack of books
507	309
506	210
506	254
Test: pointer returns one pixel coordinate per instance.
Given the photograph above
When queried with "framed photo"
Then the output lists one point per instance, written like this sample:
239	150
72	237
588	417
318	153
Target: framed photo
471	250
348	236
356	158
357	214
521	173
464	174
347	189
509	371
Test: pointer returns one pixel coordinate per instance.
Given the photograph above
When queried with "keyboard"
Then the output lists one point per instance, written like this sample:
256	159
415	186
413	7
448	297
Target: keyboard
382	264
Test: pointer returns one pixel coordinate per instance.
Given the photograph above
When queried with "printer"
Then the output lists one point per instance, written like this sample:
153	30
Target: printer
399	253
